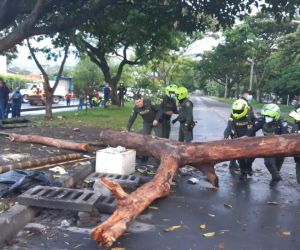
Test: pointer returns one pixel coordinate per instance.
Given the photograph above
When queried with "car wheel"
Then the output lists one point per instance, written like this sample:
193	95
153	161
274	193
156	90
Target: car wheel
25	100
56	99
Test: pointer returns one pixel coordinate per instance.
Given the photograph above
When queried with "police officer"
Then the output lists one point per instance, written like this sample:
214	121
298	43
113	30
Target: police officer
185	115
121	94
248	97
238	124
169	107
150	113
271	124
296	129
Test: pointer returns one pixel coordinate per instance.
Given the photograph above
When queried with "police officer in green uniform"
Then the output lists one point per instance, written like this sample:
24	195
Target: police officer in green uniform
296	129
185	116
238	124
271	124
150	113
248	97
169	107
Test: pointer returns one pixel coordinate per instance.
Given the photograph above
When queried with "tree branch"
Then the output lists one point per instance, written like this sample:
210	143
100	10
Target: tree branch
44	73
27	29
61	68
20	33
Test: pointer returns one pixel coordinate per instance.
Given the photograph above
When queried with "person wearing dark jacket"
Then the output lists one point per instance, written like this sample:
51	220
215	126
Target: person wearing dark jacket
106	93
121	94
4	96
185	116
16	103
151	115
296	129
271	124
238	124
169	107
248	97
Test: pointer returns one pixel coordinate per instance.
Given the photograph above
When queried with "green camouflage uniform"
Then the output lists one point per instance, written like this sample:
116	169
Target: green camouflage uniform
185	117
149	113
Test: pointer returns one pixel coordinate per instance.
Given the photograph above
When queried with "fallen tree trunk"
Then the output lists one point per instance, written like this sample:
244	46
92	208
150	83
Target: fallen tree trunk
49	141
40	162
172	155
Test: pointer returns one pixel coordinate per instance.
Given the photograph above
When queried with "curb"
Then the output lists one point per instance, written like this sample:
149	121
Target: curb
14	219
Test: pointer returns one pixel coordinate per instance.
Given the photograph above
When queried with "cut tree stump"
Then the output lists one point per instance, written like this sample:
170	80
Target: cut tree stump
83	147
172	155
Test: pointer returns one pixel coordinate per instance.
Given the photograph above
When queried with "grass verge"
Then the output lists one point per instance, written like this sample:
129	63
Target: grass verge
112	117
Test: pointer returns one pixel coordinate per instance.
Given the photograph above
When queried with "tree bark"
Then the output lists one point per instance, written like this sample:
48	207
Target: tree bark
49	141
172	155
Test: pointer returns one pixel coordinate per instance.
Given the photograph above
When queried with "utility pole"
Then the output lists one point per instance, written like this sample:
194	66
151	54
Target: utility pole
251	73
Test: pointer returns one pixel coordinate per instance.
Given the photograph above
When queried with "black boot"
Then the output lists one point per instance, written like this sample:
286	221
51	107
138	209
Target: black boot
234	167
250	171
274	173
275	180
243	176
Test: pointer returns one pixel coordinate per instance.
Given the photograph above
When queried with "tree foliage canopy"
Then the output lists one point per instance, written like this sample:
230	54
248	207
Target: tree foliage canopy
21	19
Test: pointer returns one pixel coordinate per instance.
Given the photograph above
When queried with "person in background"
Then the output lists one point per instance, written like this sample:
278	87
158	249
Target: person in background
9	103
4	96
106	92
16	103
68	98
169	107
121	94
295	114
81	101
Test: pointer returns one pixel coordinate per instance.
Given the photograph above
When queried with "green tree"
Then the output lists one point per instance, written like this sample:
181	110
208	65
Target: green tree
258	36
255	39
21	19
284	64
225	65
87	76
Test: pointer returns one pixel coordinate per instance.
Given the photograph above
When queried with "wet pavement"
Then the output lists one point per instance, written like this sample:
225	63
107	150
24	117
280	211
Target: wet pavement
242	215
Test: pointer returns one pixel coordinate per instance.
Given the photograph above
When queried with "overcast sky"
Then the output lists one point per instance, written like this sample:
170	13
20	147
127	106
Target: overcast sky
23	62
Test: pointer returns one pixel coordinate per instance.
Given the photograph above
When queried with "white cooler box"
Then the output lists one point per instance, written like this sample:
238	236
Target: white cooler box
115	161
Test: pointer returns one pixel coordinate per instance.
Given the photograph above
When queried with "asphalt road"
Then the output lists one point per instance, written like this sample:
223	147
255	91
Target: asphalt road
242	215
27	109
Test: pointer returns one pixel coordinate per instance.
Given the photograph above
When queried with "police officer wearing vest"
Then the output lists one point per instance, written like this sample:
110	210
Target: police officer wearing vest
239	123
169	107
185	116
271	124
150	113
296	129
248	97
